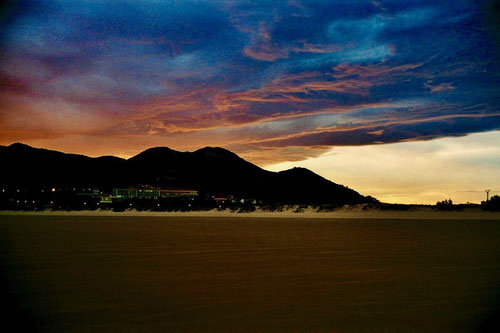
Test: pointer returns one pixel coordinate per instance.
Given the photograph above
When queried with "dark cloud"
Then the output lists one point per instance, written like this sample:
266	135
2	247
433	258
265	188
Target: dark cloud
396	132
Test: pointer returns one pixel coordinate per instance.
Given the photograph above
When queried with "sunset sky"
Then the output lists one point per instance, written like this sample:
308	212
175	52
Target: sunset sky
396	99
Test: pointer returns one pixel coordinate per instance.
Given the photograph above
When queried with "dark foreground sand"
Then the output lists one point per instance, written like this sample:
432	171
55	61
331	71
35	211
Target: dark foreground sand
139	273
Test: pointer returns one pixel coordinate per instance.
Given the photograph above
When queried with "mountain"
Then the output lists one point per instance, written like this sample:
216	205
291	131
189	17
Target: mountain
210	170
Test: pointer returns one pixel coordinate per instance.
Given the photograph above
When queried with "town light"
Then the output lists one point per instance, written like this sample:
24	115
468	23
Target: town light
53	189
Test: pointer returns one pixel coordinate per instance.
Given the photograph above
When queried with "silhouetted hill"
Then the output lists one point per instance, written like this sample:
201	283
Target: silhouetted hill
27	166
312	187
209	170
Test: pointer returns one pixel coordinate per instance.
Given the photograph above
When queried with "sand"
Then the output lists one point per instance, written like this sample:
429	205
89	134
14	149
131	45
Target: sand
349	212
245	274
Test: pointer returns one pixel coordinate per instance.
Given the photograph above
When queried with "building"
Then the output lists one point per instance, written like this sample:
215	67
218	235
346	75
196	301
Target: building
106	199
153	193
141	193
176	193
220	200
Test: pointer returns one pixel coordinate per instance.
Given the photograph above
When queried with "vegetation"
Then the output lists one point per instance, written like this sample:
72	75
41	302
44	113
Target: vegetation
492	204
444	205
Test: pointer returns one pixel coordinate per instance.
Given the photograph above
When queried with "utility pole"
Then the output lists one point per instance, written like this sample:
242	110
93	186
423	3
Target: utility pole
487	195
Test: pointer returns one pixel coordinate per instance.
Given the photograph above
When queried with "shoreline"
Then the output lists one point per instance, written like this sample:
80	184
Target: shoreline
308	213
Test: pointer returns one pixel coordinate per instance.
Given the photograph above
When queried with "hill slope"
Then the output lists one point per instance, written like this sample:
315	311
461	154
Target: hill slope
209	170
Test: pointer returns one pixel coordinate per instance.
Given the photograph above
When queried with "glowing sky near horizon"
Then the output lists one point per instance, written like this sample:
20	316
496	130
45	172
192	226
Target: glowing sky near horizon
274	81
422	172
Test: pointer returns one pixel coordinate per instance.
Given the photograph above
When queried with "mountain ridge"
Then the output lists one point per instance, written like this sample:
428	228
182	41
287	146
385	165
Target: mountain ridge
209	170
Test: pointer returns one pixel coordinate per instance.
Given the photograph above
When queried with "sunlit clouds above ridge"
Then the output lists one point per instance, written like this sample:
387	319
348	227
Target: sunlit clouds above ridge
273	81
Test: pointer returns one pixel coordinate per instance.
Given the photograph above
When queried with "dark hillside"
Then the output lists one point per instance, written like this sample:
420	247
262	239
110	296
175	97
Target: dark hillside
213	171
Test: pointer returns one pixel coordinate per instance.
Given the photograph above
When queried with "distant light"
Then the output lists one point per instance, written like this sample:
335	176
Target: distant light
130	205
25	201
51	202
85	204
17	201
3	190
17	191
33	201
43	191
53	189
158	205
97	204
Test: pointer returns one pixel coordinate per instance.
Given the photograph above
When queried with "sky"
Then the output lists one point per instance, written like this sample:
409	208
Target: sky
353	89
425	172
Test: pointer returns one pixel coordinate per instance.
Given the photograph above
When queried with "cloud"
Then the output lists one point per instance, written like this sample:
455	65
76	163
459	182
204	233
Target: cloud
390	131
286	79
414	172
262	48
440	87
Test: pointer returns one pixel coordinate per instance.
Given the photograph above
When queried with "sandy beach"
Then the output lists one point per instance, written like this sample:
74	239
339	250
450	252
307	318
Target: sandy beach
136	272
351	212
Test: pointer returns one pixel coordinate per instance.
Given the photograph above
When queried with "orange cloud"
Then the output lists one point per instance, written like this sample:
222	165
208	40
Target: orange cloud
262	48
343	71
440	87
315	48
206	108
